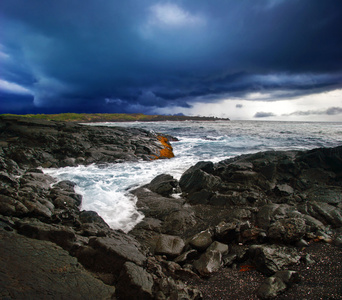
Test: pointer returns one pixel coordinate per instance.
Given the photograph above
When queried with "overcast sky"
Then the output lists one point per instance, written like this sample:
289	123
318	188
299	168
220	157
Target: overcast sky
245	59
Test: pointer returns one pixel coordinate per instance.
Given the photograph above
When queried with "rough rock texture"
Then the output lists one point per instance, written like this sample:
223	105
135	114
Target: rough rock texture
277	284
164	185
33	143
269	259
45	238
135	282
266	208
169	245
32	269
208	263
254	215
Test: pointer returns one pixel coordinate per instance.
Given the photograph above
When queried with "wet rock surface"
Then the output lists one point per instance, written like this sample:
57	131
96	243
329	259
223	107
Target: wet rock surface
32	269
32	143
242	228
264	210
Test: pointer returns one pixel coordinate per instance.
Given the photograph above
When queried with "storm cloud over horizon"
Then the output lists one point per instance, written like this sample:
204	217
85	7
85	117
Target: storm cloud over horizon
150	56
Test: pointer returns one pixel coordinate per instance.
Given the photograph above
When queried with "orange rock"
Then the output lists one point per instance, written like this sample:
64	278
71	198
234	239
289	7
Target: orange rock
246	268
167	151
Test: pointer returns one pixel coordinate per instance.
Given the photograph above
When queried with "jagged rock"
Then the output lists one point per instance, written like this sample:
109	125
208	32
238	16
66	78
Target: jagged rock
168	288
289	230
200	197
277	284
271	212
196	178
312	223
326	213
88	216
169	245
186	256
65	185
226	232
61	235
228	259
338	241
209	262
36	181
12	207
150	224
220	247
271	287
57	144
6	180
271	192
66	201
241	252
202	240
302	243
179	221
135	283
269	259
39	207
284	189
155	206
253	234
164	185
108	254
36	269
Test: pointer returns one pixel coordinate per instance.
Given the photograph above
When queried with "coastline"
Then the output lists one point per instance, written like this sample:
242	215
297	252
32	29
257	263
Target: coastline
103	117
252	204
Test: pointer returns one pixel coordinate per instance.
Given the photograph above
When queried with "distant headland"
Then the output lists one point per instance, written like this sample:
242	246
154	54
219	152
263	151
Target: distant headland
103	117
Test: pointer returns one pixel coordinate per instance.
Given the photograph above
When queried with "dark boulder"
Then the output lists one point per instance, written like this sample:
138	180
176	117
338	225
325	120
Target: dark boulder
109	254
209	262
164	185
199	178
277	284
134	283
269	259
39	269
169	245
288	230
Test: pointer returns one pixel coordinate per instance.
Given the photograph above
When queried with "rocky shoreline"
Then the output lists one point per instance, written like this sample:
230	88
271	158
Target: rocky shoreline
248	227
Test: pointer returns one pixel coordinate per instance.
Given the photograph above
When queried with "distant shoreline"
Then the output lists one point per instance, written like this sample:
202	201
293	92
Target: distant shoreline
102	117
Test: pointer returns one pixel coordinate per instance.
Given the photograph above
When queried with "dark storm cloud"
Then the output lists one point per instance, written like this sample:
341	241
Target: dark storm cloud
262	114
131	56
329	112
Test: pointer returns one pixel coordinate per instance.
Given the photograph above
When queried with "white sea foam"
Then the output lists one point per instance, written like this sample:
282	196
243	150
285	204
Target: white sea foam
105	189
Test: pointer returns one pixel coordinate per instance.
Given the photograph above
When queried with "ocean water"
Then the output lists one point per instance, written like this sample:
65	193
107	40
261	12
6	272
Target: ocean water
105	189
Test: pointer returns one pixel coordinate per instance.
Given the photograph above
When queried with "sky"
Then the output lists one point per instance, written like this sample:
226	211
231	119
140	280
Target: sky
243	60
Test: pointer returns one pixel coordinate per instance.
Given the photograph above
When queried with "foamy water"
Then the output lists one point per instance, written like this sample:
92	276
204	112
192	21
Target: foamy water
105	189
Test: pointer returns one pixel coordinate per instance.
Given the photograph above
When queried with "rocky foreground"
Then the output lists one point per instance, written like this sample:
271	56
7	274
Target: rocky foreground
265	225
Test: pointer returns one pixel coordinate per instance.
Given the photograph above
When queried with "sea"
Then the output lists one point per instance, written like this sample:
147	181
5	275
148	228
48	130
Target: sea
106	188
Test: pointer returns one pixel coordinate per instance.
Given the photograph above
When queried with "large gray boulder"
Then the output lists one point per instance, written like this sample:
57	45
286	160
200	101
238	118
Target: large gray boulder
220	247
289	230
109	254
326	213
169	245
269	259
198	178
209	262
63	236
135	283
272	212
202	240
37	269
277	284
164	185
